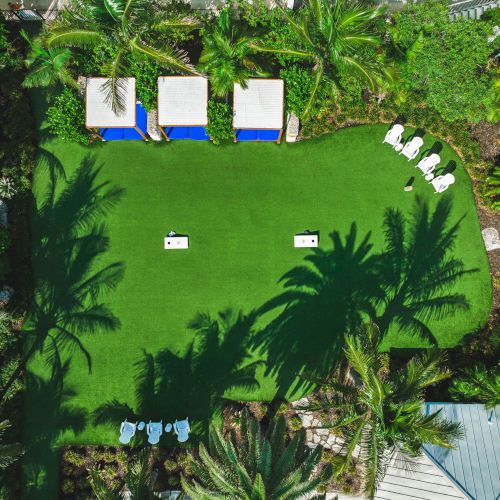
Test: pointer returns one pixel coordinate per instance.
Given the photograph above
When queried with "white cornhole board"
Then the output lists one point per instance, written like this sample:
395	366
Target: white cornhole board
176	242
305	240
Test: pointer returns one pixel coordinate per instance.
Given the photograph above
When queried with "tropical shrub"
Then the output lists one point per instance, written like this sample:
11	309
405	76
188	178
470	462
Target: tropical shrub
298	84
220	124
146	82
256	465
4	246
478	384
445	62
66	117
492	192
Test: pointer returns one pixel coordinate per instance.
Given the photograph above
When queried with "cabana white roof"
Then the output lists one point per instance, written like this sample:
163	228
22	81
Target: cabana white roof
182	100
99	112
260	105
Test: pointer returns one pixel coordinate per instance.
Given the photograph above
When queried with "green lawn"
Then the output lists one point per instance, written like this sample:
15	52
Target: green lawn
241	205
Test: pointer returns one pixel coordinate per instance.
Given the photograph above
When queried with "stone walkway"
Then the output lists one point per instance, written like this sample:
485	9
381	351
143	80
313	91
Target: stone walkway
315	436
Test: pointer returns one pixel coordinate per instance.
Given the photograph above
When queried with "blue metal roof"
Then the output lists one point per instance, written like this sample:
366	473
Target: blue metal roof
474	465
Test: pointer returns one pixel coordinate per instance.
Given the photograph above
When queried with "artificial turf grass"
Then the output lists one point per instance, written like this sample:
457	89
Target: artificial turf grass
241	205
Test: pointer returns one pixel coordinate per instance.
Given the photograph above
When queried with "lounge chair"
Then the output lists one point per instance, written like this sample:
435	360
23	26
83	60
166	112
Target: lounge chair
428	164
182	429
154	430
127	431
442	182
393	137
411	149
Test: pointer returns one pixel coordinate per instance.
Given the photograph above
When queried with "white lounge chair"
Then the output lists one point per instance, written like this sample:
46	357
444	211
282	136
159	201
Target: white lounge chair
411	149
442	182
393	137
154	430
428	164
127	431
182	429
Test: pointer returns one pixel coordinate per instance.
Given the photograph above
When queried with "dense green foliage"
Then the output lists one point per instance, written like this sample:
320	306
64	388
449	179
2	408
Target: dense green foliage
478	384
381	412
445	62
228	55
4	246
492	191
298	83
138	480
332	37
146	82
66	117
256	465
220	122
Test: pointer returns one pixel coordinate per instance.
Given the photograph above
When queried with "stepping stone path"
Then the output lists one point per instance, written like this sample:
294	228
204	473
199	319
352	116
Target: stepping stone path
317	436
292	128
153	129
491	238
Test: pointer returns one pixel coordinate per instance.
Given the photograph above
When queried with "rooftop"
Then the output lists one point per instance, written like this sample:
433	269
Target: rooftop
260	105
182	100
98	109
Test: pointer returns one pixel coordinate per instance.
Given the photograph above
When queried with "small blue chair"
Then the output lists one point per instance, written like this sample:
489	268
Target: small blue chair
182	429
154	430
127	431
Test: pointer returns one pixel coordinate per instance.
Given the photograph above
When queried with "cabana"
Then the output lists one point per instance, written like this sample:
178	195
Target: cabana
258	110
182	107
129	124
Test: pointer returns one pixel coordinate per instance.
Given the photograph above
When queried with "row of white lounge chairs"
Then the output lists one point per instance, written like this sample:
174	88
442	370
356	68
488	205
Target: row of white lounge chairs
427	165
154	430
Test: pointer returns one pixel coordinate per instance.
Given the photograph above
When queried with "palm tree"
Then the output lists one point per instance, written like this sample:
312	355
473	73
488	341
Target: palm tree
138	482
416	269
9	452
131	27
380	414
228	55
333	36
46	66
330	294
478	384
255	465
69	286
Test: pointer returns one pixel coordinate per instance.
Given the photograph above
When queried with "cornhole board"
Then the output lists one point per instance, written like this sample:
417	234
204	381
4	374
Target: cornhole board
305	240
176	242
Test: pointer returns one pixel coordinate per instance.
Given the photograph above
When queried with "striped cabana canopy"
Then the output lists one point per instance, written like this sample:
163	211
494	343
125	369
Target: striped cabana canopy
182	107
128	123
258	110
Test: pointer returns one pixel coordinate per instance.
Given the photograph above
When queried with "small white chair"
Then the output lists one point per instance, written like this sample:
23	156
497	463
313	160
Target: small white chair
442	182
411	149
393	137
428	164
154	430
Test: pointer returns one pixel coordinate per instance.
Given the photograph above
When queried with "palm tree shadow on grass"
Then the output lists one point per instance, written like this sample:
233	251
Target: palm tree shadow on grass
69	236
405	285
323	298
169	386
417	269
54	415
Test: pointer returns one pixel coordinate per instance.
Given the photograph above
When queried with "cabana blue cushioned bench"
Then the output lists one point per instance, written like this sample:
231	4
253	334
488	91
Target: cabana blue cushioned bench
257	135
128	134
192	133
